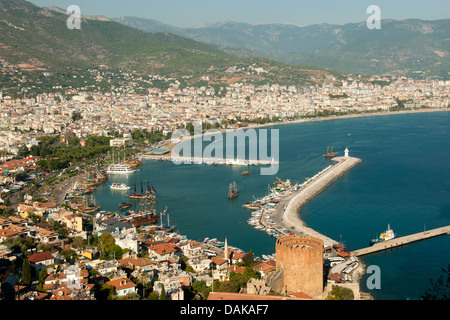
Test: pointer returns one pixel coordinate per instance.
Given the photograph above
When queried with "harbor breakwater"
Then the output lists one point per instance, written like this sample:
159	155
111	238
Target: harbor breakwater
287	211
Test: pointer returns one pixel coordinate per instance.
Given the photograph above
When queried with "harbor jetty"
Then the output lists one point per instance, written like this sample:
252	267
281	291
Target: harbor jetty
290	215
278	212
401	241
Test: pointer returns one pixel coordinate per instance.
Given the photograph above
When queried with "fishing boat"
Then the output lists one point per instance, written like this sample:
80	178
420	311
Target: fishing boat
386	236
233	191
252	206
120	187
330	153
124	205
246	173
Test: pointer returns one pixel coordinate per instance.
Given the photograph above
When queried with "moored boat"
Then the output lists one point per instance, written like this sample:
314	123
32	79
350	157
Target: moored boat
120	187
124	205
385	236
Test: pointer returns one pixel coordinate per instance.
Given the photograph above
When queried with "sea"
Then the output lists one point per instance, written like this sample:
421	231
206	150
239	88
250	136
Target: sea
403	182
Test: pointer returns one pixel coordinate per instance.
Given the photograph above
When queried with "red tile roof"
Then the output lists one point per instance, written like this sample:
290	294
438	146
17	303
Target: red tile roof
218	261
41	256
121	283
164	248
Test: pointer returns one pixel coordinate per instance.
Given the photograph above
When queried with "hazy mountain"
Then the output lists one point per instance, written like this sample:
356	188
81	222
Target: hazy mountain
399	47
40	37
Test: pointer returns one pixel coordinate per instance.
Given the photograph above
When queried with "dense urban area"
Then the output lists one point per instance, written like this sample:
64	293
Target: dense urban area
58	247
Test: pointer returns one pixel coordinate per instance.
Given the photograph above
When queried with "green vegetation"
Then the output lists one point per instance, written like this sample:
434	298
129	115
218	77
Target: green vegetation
338	96
144	136
340	293
109	46
108	247
57	155
439	288
26	272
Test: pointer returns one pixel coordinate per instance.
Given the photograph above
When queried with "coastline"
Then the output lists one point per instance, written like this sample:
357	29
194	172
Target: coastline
349	116
287	213
172	144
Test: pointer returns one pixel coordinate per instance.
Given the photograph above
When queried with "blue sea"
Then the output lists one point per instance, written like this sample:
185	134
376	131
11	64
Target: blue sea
403	181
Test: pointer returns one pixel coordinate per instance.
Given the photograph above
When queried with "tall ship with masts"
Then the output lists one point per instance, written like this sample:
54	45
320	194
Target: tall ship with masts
147	213
119	168
142	195
233	191
330	153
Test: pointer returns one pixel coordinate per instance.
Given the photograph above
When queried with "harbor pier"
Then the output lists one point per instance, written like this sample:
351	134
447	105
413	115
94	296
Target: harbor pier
397	242
288	210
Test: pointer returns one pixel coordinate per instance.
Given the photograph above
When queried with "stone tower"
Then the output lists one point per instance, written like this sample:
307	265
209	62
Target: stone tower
301	260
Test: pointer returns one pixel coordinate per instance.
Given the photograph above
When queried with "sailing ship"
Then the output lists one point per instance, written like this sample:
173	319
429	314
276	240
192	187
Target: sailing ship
233	191
330	153
142	195
88	206
119	168
387	235
147	214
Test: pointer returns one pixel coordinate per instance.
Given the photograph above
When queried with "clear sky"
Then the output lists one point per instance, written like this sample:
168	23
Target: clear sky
188	13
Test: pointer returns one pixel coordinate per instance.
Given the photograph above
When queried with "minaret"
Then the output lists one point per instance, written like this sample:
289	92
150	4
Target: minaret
225	254
346	153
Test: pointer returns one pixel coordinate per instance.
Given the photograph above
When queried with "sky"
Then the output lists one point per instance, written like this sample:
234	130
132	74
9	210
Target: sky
189	13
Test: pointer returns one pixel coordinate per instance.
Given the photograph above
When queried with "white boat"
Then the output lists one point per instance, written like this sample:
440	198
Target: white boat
119	169
119	186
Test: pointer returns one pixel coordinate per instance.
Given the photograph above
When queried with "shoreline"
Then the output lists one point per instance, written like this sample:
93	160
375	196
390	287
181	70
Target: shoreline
172	145
349	116
288	212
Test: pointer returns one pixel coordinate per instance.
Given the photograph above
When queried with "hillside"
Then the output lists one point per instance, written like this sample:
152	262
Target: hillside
39	37
408	47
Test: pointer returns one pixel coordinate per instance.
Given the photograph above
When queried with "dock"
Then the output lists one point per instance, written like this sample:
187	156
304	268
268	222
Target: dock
397	242
288	210
223	161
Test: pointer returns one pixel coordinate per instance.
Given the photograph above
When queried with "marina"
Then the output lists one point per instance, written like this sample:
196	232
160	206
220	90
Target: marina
278	212
358	206
220	161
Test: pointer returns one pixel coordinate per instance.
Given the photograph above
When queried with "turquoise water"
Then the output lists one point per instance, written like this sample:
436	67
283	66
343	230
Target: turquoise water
404	181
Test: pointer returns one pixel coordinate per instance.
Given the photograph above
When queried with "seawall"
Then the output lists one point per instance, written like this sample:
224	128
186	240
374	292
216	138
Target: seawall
289	217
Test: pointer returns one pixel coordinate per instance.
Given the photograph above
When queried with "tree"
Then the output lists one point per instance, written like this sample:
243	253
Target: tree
153	296
107	244
115	252
78	242
42	276
440	288
26	272
76	116
69	254
104	292
340	293
248	259
162	296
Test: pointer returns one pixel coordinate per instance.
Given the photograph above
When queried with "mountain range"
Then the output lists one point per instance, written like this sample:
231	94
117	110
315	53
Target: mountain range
39	37
406	47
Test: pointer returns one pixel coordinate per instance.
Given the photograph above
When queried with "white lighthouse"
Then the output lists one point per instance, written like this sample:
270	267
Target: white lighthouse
346	153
